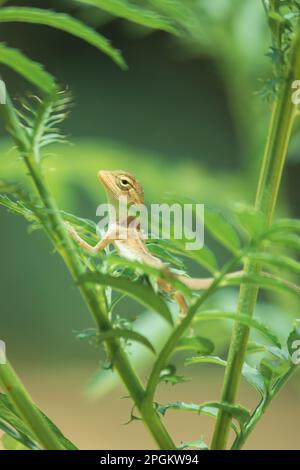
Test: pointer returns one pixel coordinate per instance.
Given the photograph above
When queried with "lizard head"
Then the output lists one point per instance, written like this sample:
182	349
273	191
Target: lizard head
121	183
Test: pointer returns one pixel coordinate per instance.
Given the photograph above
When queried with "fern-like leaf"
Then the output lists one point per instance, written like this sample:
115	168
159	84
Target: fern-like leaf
40	119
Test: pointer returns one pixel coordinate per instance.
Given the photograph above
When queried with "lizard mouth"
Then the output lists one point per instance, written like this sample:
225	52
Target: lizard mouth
107	180
104	178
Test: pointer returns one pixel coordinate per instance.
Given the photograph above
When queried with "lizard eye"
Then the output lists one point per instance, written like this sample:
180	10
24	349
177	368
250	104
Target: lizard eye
124	183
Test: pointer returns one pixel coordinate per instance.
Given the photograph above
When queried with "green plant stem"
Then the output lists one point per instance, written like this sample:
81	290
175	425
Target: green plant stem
260	410
91	295
27	409
283	113
180	330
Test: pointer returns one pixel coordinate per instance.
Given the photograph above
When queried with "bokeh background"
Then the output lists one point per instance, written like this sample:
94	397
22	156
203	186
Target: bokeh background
187	118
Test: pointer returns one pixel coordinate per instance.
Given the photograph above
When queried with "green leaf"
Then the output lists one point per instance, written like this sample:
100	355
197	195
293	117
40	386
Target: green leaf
241	318
168	375
164	254
198	444
250	219
92	333
164	273
9	443
135	13
222	230
63	22
251	374
278	261
240	413
62	438
264	281
272	370
286	240
31	71
13	425
197	343
254	378
126	334
253	348
204	257
205	359
143	294
285	225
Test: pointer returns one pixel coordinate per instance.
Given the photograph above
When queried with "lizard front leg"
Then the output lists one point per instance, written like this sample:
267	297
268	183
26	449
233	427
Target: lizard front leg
85	245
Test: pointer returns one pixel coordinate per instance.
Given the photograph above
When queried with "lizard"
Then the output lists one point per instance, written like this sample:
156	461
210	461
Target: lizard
119	184
132	246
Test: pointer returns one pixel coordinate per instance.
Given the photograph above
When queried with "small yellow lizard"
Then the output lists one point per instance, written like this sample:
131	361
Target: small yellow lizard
119	184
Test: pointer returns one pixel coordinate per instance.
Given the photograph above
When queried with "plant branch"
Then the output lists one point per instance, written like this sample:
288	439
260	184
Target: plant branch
283	114
93	296
27	409
260	410
180	330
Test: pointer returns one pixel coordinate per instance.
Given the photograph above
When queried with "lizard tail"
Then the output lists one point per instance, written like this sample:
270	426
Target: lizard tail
205	282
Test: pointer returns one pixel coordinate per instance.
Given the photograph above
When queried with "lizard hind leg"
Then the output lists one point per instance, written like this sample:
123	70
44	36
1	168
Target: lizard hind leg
178	297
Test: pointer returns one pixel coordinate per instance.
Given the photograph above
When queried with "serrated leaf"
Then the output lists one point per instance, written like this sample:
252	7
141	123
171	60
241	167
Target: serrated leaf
242	318
115	333
197	343
143	294
135	13
63	22
30	70
222	230
240	413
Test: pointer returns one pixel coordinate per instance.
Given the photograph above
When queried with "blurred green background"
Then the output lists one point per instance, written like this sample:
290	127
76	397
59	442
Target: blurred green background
187	119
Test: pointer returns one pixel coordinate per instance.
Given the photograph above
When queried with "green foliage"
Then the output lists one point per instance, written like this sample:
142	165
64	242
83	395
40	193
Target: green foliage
136	13
128	335
63	22
32	71
18	431
241	318
144	294
246	233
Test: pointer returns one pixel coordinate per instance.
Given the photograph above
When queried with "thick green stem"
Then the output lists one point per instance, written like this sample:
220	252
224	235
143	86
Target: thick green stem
26	408
93	298
284	111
